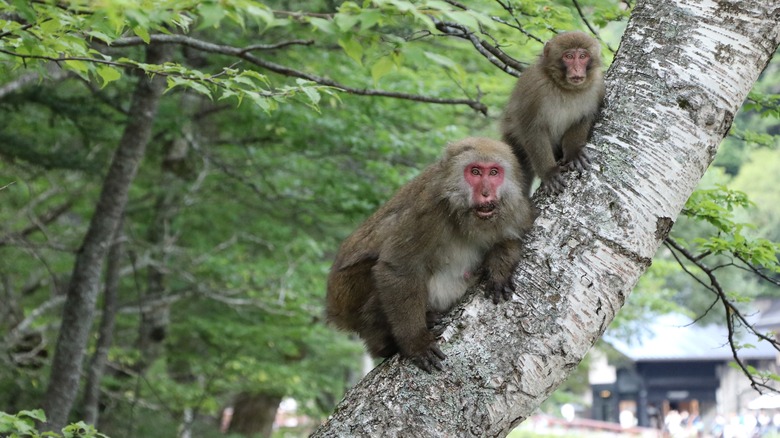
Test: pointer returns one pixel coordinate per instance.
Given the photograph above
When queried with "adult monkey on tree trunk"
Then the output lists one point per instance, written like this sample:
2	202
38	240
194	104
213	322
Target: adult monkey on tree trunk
459	220
552	109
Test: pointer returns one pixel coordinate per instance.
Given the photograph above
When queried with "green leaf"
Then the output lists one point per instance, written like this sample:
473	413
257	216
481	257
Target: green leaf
25	10
441	60
80	67
142	33
323	24
36	414
382	67
211	14
108	74
353	49
346	22
312	93
369	18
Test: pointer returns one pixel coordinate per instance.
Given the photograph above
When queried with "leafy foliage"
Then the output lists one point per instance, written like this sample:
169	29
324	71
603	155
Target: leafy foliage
22	424
237	209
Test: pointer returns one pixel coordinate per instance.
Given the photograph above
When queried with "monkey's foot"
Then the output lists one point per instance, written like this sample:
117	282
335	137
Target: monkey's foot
499	291
430	358
553	184
580	163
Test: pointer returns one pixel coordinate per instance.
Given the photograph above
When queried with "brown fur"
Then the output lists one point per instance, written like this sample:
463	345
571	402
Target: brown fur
379	283
548	119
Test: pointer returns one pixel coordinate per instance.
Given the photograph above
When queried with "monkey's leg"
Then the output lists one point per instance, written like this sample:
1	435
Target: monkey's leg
575	157
498	267
374	329
403	297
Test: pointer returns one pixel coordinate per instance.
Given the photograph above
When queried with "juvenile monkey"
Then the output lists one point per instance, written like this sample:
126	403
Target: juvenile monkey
552	109
459	220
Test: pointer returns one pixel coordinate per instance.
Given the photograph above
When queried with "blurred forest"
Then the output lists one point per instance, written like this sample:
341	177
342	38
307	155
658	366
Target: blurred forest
210	288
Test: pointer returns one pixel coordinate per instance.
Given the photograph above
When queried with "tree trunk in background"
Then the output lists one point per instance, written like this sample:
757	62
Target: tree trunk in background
79	308
253	414
155	310
681	73
106	331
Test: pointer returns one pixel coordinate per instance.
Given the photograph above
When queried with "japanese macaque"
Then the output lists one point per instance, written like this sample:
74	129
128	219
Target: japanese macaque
459	221
552	109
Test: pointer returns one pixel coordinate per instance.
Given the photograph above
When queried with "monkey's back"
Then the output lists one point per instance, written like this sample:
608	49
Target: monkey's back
394	231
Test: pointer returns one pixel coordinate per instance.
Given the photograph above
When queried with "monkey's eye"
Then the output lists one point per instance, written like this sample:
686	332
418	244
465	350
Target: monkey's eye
568	56
583	55
475	171
493	172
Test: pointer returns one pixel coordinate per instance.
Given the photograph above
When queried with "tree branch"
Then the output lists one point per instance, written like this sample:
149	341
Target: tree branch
590	27
29	79
38	222
243	53
732	313
517	26
492	53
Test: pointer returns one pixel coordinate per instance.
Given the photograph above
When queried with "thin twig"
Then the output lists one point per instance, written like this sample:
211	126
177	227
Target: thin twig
732	313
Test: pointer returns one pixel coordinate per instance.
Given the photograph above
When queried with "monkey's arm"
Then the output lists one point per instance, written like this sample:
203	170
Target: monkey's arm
573	144
498	267
403	296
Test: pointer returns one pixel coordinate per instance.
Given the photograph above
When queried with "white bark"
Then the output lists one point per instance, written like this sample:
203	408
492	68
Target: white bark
682	71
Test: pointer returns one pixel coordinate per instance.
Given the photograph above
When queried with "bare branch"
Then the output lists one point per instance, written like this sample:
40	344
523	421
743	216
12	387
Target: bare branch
30	79
517	25
17	332
757	271
732	313
590	27
492	53
39	222
278	45
303	14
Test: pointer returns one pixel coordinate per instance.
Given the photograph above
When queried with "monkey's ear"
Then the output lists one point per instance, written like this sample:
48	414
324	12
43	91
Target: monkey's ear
546	50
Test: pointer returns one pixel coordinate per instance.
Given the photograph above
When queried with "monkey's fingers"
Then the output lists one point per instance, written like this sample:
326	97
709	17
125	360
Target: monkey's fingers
432	319
581	163
553	185
430	359
435	356
422	364
500	292
507	292
437	351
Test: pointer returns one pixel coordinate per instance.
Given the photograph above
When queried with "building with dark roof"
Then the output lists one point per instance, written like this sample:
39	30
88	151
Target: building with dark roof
678	365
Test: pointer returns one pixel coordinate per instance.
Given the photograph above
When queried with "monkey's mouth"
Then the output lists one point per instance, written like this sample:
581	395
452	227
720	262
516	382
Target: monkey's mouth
486	210
576	80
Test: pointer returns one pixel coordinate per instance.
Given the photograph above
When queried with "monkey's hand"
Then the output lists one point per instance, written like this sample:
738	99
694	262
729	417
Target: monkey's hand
553	183
429	356
581	162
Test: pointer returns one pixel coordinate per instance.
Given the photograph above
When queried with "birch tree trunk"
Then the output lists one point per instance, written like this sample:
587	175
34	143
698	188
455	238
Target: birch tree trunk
681	73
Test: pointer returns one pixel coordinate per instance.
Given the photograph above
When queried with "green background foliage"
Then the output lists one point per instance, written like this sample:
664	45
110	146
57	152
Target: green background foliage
259	165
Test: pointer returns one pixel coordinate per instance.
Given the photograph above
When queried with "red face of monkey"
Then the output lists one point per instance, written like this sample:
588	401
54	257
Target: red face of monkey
484	180
576	62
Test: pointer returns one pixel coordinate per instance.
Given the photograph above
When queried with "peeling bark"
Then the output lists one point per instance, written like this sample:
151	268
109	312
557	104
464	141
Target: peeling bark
680	75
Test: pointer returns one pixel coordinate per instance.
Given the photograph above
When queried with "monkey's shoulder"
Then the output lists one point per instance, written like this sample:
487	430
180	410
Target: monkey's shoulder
406	222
